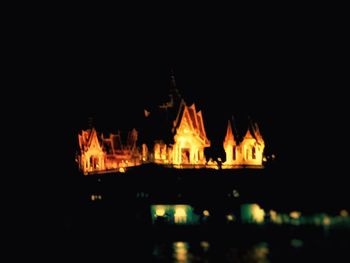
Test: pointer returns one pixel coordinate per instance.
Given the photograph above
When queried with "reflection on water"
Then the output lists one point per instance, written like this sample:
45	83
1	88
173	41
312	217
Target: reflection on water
180	252
183	252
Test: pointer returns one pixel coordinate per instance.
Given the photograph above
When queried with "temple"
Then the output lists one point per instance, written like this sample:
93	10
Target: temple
246	151
98	153
189	139
173	134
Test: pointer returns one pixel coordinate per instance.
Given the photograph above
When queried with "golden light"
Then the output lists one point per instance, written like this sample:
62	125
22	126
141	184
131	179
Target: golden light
160	211
100	153
180	215
295	214
273	215
206	213
230	217
247	152
205	245
258	213
326	221
180	252
344	213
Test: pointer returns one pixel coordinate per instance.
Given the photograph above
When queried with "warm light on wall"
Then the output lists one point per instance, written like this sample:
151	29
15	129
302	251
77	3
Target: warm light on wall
247	152
180	215
160	211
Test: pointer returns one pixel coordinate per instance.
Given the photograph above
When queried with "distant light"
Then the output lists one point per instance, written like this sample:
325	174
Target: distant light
258	213
273	215
230	217
205	245
273	156
160	211
295	214
180	215
206	213
264	159
344	213
93	197
121	170
235	193
326	221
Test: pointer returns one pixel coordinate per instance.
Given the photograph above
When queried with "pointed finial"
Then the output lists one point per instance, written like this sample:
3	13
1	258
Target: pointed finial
172	79
91	122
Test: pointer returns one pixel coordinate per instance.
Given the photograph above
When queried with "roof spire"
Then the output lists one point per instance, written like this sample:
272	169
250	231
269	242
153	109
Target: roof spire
172	79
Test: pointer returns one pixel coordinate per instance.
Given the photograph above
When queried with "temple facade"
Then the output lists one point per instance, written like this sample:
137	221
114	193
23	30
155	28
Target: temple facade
189	139
98	153
245	152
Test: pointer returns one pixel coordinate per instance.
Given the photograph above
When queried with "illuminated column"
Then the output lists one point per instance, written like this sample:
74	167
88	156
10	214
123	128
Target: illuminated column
192	155
179	155
229	154
87	162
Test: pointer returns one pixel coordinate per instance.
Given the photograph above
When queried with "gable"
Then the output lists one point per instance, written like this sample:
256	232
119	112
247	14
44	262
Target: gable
186	125
93	141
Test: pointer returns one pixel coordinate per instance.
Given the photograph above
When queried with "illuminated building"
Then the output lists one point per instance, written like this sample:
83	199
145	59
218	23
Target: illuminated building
189	139
176	138
247	151
98	153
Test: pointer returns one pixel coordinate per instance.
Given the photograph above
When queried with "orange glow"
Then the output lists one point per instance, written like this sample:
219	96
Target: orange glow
206	213
344	213
180	215
295	214
98	153
326	221
160	211
273	215
180	253
258	213
247	152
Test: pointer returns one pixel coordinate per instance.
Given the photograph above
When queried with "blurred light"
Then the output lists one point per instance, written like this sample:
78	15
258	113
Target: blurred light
344	213
230	217
235	193
258	213
206	213
160	211
121	170
180	253
205	245
273	215
180	215
295	214
326	221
